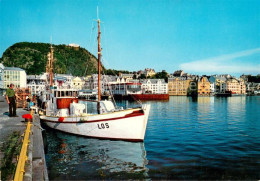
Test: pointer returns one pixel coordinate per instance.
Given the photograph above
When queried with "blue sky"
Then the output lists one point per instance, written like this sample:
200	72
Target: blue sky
200	37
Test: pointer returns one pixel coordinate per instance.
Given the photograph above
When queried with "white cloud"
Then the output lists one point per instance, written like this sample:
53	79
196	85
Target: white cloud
223	64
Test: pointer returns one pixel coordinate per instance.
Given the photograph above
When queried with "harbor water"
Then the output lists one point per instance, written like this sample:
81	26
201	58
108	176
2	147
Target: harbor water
186	138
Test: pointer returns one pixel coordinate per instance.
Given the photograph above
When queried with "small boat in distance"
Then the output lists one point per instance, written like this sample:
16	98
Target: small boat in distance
64	112
224	94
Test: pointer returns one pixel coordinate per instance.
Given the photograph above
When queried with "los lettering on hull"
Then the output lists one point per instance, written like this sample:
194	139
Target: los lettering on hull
103	126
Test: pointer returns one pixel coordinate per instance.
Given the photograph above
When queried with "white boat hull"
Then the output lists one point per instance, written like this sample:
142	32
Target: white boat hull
128	124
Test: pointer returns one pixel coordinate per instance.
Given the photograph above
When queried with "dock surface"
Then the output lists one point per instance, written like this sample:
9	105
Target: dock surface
9	124
35	168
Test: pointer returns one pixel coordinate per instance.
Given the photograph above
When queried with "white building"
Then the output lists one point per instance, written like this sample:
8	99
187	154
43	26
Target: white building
14	75
212	87
73	45
106	81
63	80
223	87
154	86
78	83
36	83
126	88
124	85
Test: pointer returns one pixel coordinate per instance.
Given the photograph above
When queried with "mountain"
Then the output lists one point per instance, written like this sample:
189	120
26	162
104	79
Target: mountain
32	57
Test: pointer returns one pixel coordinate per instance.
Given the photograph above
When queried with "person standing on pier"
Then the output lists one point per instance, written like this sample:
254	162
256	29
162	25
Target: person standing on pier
11	100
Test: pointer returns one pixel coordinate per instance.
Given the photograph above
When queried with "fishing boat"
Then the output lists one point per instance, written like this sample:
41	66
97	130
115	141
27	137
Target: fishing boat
64	112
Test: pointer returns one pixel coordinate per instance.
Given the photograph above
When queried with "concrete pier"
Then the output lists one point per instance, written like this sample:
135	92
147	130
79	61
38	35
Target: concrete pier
9	124
38	155
35	168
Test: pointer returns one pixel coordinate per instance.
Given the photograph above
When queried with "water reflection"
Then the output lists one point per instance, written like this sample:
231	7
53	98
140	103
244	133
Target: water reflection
236	107
212	138
71	157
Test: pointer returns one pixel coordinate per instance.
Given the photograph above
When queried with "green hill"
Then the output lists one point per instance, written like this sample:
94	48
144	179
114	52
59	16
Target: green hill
32	57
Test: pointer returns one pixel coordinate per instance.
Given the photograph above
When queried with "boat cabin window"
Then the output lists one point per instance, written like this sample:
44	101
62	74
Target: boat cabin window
74	94
65	93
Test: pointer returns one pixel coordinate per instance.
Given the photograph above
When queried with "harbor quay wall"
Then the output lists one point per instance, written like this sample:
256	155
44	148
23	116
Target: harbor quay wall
35	164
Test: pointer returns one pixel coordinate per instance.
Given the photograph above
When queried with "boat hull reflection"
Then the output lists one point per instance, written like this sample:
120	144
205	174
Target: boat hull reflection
71	157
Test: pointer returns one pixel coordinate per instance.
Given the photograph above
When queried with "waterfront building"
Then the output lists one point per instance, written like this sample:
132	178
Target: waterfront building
14	75
233	85
78	83
220	84
87	83
236	86
36	83
154	86
142	86
242	86
63	80
204	86
126	88
223	87
251	87
178	86
126	76
106	81
213	86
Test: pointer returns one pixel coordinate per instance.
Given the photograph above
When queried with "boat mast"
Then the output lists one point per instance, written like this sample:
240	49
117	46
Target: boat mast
51	67
99	62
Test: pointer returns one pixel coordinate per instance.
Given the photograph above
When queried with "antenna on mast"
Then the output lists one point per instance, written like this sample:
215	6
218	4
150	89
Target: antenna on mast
97	13
51	40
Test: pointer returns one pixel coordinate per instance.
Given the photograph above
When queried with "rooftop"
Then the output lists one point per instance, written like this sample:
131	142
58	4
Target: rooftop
14	68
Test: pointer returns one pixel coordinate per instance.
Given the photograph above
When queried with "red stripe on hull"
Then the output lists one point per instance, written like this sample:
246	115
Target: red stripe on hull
134	114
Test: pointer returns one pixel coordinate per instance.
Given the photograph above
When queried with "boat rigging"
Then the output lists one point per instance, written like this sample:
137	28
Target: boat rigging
64	112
